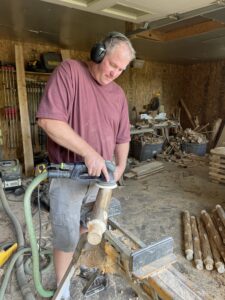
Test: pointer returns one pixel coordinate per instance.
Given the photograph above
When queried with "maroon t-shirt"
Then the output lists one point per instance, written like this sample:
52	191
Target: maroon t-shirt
99	114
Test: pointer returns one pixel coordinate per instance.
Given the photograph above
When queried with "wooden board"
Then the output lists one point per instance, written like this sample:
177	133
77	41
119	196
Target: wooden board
147	168
221	140
216	165
217	176
65	53
218	151
24	114
217	170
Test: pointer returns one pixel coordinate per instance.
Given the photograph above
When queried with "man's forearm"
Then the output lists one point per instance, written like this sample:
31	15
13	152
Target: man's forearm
121	154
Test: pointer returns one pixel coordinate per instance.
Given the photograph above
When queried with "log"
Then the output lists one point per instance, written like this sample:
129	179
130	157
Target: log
205	246
196	245
219	224
217	257
188	243
221	213
213	233
97	225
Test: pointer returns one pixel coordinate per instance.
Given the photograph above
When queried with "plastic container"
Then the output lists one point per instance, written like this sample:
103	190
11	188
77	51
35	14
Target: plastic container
142	151
198	149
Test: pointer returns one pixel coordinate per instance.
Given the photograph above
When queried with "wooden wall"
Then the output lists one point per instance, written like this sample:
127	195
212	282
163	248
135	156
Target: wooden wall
204	90
139	84
200	85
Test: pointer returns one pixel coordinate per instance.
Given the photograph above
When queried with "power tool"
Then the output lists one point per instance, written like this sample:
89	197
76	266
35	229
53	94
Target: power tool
79	172
10	173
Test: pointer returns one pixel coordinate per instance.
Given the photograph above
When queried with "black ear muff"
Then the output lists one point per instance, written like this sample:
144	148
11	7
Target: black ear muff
98	52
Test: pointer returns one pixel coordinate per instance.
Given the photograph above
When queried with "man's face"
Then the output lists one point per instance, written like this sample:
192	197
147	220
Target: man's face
113	64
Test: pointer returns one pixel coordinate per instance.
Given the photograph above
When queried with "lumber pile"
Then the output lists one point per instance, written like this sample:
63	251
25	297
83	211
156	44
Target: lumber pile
145	170
217	165
204	239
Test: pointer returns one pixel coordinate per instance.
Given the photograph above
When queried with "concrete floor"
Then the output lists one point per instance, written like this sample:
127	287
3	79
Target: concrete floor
151	210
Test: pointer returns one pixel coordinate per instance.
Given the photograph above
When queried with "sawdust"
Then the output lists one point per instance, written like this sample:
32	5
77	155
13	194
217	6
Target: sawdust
95	257
124	239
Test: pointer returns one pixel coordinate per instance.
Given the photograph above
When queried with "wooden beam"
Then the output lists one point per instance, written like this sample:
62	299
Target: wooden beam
65	53
178	33
24	114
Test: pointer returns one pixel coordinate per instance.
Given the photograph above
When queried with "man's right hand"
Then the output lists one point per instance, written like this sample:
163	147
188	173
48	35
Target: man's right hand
96	165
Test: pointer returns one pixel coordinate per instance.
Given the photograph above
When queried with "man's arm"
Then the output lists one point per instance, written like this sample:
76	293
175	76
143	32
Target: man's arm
61	133
121	153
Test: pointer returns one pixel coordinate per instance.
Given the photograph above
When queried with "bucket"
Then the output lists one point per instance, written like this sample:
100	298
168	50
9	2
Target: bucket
142	151
198	149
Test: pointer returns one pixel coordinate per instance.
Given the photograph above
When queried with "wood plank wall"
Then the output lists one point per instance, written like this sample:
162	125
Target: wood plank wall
204	90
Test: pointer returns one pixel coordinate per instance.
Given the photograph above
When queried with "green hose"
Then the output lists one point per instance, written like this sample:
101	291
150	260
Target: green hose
9	270
28	263
33	241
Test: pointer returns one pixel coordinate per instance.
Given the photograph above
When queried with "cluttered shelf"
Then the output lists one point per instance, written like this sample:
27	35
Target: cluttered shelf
152	127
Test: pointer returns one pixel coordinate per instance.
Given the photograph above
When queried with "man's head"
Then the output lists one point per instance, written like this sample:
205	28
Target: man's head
111	57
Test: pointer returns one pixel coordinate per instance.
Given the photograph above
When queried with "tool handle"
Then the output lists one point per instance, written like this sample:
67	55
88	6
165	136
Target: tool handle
78	171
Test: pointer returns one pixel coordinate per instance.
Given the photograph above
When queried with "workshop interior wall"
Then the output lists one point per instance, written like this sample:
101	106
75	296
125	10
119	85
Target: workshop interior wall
200	85
204	91
140	85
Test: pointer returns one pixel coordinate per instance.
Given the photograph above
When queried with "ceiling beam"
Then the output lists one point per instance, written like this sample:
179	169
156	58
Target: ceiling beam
160	35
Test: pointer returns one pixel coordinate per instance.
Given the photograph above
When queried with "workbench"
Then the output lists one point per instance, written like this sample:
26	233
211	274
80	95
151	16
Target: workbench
153	128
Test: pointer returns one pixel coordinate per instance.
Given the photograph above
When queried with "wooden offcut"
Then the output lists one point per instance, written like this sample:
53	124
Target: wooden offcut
216	256
97	225
219	224
188	243
145	170
205	246
196	244
24	114
213	233
221	213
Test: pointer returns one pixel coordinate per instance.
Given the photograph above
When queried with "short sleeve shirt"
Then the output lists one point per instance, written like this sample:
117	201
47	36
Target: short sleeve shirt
98	113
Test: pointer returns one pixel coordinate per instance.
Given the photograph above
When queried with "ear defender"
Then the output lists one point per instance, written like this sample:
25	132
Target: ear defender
98	52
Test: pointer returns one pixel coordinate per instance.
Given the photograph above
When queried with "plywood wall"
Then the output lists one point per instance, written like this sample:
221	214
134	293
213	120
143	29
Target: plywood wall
204	90
200	85
139	84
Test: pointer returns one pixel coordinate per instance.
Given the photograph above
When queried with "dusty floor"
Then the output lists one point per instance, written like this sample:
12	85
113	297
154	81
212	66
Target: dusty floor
151	209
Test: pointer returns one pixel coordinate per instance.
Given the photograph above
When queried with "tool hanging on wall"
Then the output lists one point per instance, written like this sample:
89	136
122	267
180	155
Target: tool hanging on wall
10	121
35	91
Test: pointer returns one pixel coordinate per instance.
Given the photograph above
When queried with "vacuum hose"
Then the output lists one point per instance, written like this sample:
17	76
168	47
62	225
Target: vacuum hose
21	277
33	241
77	171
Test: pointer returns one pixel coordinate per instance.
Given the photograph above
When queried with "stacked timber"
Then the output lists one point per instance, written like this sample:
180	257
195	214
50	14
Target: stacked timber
145	170
217	165
204	239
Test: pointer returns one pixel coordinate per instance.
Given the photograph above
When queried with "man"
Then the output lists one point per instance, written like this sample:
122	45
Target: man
85	116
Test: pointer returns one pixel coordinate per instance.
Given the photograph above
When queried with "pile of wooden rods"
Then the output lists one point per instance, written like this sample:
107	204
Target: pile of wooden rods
204	239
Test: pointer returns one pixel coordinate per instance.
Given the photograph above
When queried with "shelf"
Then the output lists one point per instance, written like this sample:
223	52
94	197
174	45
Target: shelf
37	73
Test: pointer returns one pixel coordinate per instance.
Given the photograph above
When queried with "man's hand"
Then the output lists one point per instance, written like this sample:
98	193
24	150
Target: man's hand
96	165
